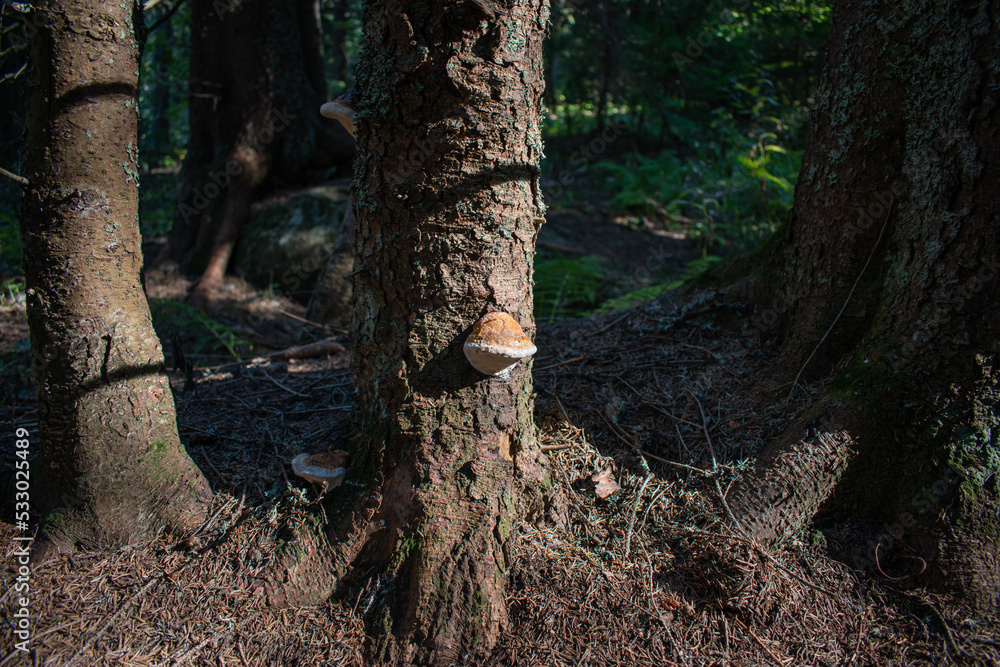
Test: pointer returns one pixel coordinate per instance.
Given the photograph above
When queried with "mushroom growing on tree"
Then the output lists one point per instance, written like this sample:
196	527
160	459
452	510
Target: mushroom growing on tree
343	110
496	344
449	206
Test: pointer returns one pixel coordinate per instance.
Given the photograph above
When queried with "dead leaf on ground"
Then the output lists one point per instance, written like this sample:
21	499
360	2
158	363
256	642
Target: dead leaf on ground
606	484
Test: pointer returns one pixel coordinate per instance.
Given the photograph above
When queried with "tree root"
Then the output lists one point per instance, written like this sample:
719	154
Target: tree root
795	474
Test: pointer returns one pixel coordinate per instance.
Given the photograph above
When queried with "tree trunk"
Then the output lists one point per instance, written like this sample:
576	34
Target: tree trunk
887	276
256	86
448	208
111	467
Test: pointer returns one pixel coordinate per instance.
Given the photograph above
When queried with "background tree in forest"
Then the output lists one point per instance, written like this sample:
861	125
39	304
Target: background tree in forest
886	276
111	468
256	80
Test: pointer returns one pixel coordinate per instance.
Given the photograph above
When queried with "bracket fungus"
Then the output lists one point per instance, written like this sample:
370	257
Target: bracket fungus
326	468
496	344
343	109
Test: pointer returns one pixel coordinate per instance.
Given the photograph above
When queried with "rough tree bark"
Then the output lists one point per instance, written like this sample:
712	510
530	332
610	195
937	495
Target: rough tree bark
256	84
895	216
111	468
448	208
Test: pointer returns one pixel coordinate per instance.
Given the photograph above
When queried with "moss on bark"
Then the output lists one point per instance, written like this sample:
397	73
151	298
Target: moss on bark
448	208
887	278
112	469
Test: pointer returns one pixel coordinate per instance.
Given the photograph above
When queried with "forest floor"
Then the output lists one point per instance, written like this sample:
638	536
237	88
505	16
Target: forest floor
668	400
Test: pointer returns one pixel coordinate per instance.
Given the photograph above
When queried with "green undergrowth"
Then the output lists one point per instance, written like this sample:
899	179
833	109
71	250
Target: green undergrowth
731	193
156	205
726	180
10	245
631	300
198	336
567	287
584	286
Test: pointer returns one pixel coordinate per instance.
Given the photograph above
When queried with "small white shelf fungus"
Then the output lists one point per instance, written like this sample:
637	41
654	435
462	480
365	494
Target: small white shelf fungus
496	344
326	468
342	109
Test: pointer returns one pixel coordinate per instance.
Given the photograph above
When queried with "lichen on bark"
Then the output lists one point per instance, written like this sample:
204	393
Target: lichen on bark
887	275
111	468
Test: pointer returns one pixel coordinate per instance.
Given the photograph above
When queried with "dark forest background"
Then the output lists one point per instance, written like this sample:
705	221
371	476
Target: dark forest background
687	116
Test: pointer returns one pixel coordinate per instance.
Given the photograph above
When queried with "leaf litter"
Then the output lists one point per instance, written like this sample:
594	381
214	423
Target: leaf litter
639	565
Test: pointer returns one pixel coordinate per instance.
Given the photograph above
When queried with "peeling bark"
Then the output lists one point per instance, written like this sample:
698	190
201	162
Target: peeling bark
111	468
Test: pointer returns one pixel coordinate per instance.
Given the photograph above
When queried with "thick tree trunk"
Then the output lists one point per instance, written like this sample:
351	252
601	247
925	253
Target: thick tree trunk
256	86
111	467
448	208
887	275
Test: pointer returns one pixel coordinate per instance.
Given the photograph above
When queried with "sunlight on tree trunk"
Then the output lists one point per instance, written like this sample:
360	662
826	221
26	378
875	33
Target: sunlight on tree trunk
111	466
448	209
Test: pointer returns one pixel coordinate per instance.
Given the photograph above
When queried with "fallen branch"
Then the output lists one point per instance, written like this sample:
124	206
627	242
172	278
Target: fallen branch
635	508
309	351
288	389
562	363
311	323
685	466
20	180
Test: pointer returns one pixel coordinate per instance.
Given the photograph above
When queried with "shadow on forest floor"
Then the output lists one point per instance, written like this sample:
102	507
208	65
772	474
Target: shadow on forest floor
649	575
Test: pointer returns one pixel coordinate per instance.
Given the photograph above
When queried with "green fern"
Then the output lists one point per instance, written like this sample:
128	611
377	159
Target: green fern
208	334
630	300
567	287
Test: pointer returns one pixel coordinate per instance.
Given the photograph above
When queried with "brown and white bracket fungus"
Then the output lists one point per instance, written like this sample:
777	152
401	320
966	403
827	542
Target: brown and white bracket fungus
496	344
342	109
326	468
